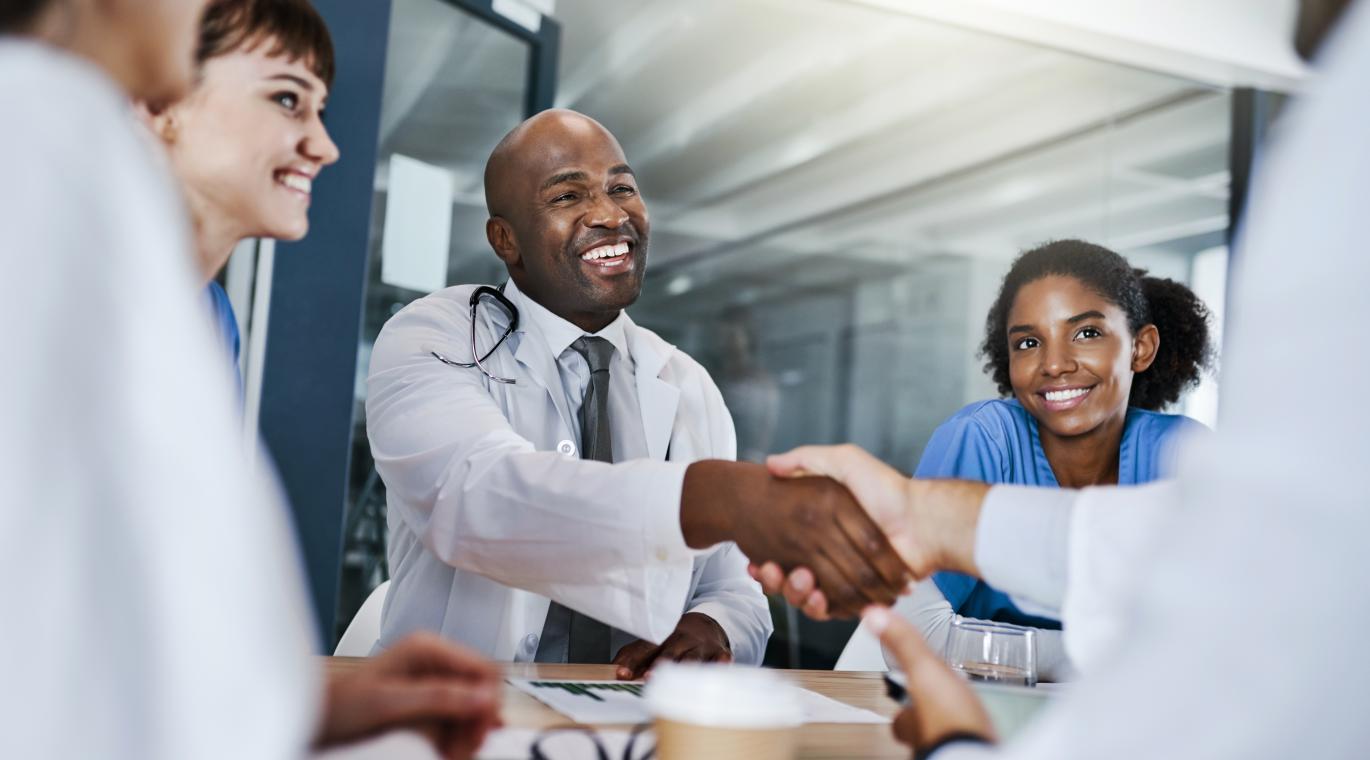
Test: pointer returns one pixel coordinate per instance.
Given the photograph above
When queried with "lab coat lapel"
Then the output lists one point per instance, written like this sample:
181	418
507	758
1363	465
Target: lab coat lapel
541	368
659	398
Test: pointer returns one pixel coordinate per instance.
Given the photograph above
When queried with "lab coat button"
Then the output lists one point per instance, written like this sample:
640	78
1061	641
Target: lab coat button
566	448
661	554
529	645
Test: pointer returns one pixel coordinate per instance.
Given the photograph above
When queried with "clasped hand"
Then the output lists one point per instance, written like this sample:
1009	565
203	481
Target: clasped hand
809	522
930	524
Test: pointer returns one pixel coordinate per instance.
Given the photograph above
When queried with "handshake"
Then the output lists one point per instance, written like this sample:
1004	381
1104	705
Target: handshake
832	527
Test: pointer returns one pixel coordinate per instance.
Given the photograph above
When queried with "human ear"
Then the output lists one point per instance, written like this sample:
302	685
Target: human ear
160	120
1145	344
501	237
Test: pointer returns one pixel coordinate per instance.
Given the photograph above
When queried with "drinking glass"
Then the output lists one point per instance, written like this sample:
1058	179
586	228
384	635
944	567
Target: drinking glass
982	650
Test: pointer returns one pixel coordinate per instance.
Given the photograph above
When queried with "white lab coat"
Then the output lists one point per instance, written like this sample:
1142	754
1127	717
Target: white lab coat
492	512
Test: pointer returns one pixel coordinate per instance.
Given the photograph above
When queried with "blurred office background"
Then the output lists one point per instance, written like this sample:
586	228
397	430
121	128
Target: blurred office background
835	188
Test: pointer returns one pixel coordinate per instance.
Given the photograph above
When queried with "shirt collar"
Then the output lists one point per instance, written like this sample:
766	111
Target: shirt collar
559	333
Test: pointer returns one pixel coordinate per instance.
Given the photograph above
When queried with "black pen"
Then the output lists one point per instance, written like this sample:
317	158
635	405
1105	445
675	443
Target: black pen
896	687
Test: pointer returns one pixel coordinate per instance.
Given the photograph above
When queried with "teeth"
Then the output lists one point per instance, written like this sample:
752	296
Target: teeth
296	182
605	251
1066	395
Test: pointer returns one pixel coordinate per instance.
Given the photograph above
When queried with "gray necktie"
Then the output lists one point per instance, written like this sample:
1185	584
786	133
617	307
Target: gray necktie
569	636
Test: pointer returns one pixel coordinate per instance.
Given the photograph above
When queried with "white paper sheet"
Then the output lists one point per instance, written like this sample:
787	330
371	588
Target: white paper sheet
620	702
821	709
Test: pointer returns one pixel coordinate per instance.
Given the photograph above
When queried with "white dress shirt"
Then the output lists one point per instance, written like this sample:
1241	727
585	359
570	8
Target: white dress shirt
1235	626
154	606
625	414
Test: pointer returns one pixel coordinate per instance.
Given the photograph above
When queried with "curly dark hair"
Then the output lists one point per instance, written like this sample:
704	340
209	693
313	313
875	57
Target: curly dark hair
1185	352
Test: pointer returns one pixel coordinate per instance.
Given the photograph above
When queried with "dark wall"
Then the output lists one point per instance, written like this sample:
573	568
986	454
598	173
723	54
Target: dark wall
317	294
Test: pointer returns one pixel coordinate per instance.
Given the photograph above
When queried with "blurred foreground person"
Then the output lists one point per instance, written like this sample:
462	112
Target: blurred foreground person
1221	615
156	607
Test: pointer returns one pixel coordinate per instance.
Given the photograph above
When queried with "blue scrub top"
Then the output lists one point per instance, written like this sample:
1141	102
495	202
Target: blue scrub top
226	324
996	441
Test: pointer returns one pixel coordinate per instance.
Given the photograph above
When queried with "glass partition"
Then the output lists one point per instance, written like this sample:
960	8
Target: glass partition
455	82
836	191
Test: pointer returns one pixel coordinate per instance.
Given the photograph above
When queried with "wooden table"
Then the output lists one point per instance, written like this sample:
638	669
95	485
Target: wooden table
819	740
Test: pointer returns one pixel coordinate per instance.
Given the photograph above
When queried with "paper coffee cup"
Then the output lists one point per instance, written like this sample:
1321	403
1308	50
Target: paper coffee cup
723	712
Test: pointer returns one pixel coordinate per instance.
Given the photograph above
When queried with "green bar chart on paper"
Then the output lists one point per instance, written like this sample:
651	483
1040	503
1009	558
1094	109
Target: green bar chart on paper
589	688
600	702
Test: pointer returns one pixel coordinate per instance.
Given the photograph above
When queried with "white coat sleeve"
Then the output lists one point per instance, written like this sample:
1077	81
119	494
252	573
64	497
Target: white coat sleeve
603	539
1077	551
1020	543
1114	533
725	591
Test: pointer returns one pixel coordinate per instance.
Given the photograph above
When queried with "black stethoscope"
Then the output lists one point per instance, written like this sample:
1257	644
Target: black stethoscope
497	294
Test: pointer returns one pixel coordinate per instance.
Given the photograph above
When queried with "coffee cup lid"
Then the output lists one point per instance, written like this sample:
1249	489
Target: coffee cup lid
726	696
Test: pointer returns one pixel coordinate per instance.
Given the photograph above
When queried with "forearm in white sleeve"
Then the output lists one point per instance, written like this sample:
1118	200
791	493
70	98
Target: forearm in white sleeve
1113	537
1073	551
1021	543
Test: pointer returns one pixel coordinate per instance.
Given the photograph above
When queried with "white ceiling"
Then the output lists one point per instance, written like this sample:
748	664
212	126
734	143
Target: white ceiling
771	132
1231	43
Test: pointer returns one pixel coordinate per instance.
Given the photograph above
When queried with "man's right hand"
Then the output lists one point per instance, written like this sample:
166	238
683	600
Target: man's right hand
794	522
931	523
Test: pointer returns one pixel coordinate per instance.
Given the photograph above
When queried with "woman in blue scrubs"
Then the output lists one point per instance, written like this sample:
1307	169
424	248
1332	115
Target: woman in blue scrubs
1086	351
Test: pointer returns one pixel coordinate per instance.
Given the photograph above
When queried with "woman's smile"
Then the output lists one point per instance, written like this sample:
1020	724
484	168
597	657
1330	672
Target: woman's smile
1064	398
297	181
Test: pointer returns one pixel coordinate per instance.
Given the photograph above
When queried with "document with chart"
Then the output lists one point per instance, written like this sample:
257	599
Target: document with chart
621	702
